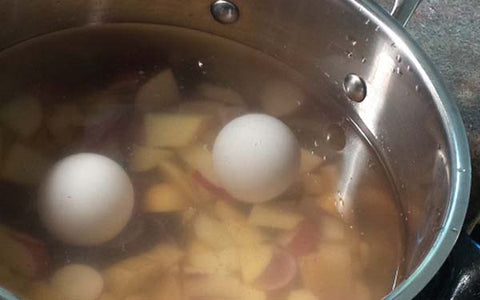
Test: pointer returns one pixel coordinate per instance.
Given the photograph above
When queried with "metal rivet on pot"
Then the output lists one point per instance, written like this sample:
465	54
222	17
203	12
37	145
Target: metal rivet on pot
355	87
224	11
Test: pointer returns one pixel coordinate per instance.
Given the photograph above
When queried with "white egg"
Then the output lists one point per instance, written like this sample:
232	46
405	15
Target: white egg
86	199
256	157
77	282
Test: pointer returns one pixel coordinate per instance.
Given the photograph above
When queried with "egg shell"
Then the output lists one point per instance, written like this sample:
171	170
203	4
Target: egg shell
86	199
256	157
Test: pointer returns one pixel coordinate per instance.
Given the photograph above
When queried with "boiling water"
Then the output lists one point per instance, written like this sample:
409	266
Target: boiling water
85	82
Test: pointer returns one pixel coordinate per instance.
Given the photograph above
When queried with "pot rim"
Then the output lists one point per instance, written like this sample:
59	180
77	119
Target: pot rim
458	145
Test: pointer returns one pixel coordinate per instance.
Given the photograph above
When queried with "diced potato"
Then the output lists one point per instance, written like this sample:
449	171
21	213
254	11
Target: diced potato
301	295
200	159
159	91
77	281
135	274
242	233
328	272
146	158
22	115
281	98
203	260
165	197
176	175
211	232
328	202
106	296
323	181
309	161
221	94
24	165
254	260
273	216
332	229
253	294
167	289
212	287
137	297
228	213
173	130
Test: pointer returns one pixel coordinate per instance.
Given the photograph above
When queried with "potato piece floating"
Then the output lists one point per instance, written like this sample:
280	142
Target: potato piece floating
309	161
254	260
211	232
167	289
146	158
77	282
174	174
165	197
249	293
241	232
173	130
135	274
22	115
221	94
24	165
159	91
212	287
202	260
301	295
327	273
281	98
273	216
200	159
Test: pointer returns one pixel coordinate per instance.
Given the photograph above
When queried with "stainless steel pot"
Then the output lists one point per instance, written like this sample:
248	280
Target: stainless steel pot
406	113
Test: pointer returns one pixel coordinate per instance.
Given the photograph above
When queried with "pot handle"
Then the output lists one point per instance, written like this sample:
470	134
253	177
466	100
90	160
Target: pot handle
403	9
459	277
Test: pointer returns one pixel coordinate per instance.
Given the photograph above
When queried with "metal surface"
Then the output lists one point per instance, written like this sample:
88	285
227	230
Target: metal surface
404	9
407	114
355	88
225	12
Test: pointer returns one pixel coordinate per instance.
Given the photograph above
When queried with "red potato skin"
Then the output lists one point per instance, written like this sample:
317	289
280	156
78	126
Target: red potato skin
36	249
216	190
281	271
301	240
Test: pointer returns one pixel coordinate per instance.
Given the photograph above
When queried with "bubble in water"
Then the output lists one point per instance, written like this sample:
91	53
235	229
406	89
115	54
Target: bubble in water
351	226
335	137
393	45
367	40
326	74
349	54
377	28
398	58
462	170
398	71
200	64
315	143
324	157
454	229
367	21
362	233
409	68
417	88
364	60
